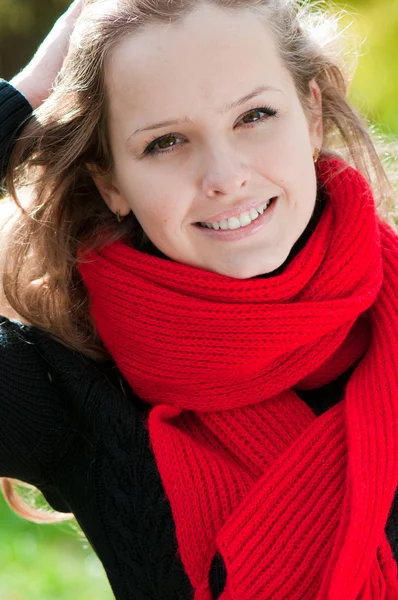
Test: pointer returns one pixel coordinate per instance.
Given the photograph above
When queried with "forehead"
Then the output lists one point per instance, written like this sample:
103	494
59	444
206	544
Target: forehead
206	60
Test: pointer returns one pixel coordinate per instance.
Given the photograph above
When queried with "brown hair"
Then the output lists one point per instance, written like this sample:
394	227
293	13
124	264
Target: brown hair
69	131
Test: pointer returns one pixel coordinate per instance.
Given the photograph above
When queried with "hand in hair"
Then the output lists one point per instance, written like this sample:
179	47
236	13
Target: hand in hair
36	79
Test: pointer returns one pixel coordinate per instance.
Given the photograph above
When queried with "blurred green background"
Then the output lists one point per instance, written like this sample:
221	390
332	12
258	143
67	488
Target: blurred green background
47	562
52	562
24	23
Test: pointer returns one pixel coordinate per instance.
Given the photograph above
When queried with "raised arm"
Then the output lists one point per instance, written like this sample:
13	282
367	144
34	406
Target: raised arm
18	98
27	90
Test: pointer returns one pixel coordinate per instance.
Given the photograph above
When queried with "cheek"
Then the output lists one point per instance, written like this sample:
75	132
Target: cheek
288	153
144	194
156	195
152	211
157	199
304	195
291	169
155	210
295	158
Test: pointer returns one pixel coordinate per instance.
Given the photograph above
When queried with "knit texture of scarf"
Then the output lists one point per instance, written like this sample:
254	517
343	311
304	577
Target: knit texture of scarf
295	504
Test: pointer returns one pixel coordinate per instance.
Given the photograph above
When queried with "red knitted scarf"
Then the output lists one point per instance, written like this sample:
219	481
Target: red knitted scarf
296	504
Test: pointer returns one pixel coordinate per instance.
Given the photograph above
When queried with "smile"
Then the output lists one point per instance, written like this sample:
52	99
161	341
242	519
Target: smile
244	219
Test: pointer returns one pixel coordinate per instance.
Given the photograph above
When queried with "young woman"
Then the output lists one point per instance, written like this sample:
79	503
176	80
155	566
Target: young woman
208	381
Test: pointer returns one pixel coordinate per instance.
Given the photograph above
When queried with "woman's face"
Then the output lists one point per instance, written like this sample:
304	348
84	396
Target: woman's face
213	151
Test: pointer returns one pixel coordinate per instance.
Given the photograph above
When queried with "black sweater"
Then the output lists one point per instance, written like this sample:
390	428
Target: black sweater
72	427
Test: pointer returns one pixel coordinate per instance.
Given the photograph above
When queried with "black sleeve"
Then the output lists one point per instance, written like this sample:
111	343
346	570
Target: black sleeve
34	425
14	111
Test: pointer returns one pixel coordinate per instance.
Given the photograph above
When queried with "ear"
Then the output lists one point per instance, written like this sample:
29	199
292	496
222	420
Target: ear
315	122
109	191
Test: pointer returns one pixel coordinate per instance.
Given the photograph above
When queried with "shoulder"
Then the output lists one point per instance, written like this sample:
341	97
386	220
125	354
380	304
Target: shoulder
91	392
23	371
32	417
53	399
31	359
14	344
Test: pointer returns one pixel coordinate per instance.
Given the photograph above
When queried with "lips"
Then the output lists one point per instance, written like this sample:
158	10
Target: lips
244	219
237	211
237	231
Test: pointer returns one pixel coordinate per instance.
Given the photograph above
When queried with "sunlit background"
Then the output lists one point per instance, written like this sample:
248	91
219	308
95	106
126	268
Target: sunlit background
50	562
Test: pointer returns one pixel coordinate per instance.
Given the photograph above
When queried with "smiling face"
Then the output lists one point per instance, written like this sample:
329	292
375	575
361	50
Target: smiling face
238	153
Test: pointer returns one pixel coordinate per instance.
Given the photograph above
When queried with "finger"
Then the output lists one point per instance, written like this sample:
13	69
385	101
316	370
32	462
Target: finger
72	12
76	5
65	22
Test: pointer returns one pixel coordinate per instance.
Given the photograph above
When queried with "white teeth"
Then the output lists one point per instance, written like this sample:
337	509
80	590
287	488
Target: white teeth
235	222
245	219
224	224
253	214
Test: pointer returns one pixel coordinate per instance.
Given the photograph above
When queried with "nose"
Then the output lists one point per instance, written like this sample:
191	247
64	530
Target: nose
225	173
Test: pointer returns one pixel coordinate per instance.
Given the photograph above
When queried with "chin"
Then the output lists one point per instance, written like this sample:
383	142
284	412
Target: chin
249	271
251	268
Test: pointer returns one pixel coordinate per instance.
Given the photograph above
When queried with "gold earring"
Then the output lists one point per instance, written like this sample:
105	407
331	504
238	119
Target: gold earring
119	219
316	155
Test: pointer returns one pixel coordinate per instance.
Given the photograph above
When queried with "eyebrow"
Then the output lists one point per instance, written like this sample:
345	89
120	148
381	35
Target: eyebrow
228	107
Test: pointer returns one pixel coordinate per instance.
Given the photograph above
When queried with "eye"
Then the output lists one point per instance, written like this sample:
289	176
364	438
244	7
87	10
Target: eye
259	113
162	145
167	143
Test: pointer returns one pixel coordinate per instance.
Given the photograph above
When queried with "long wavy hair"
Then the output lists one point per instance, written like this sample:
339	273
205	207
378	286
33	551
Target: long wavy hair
70	131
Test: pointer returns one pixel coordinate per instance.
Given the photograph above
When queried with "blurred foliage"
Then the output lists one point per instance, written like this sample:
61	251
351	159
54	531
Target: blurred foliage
375	86
47	562
24	23
29	17
374	89
51	562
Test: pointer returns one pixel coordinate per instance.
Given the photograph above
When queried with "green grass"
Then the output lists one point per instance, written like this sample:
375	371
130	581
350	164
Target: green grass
47	562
